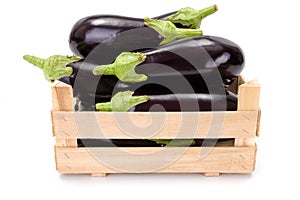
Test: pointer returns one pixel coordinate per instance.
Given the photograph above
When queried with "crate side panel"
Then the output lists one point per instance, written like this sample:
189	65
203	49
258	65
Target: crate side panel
220	160
235	124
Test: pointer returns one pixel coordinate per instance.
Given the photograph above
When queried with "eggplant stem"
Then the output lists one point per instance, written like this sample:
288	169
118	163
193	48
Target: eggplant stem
169	31
121	102
104	107
104	70
175	143
123	67
192	17
54	67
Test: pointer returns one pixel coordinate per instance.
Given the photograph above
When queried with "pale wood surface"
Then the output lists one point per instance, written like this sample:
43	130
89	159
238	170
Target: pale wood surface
248	96
66	142
248	99
98	174
219	160
62	97
242	142
231	124
258	123
211	174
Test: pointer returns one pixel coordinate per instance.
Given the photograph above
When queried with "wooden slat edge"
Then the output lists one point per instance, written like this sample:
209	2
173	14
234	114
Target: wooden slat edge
52	124
248	96
244	142
219	160
98	174
62	97
236	124
258	123
211	174
66	142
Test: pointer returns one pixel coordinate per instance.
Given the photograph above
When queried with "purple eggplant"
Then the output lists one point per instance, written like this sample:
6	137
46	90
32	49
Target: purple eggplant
125	101
92	89
193	66
204	58
189	102
203	54
105	33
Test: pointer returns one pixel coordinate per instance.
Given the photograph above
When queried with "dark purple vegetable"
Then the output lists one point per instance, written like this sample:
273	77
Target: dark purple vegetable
204	57
89	32
189	102
101	88
85	83
126	33
202	54
124	101
106	33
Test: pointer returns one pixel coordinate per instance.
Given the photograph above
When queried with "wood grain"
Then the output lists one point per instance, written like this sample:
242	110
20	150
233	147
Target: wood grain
248	100
243	125
62	97
219	160
231	124
248	96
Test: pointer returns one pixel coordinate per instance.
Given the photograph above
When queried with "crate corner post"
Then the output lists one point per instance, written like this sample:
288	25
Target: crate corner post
62	101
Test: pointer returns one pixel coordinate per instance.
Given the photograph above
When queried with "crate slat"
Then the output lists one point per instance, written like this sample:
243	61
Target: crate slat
218	160
116	125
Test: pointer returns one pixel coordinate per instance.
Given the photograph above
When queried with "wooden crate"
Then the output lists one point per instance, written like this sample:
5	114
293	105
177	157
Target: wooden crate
242	126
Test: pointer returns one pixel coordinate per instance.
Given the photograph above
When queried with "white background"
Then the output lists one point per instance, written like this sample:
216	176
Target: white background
268	32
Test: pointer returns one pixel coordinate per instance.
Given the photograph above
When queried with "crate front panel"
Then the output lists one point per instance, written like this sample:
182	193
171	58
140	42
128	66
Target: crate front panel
140	160
231	124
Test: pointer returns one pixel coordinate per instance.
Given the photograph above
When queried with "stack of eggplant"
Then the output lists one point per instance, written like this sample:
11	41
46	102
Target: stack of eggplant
152	64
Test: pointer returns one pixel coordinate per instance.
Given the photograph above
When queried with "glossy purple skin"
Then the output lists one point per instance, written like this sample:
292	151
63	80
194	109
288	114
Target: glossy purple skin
85	83
90	31
184	102
211	55
189	102
203	55
189	79
93	89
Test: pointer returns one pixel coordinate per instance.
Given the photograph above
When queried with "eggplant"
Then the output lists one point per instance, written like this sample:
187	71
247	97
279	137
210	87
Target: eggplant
217	61
198	54
91	31
112	33
125	101
204	58
91	88
194	66
188	102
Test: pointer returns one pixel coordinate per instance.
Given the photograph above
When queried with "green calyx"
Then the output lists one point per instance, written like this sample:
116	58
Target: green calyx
192	17
175	143
121	102
169	31
123	67
54	67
